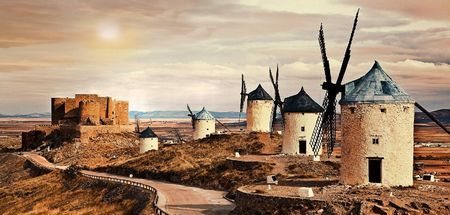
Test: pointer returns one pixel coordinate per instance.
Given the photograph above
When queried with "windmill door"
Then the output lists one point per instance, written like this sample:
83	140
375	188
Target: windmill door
375	170
302	146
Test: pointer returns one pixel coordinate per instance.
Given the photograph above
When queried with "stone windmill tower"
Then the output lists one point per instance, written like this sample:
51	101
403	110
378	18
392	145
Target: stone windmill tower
203	123
300	115
147	140
259	109
377	131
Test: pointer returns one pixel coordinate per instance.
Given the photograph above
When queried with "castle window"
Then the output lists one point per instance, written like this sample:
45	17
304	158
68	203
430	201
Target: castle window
375	141
207	129
303	113
352	110
302	128
383	110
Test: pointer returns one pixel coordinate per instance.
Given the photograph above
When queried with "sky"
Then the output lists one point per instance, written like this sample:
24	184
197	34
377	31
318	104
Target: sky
160	55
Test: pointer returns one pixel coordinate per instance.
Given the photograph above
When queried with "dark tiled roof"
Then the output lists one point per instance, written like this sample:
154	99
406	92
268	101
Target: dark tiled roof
147	133
301	103
374	87
259	94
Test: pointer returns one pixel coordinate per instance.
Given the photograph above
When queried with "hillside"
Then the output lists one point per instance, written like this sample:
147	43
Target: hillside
197	163
25	189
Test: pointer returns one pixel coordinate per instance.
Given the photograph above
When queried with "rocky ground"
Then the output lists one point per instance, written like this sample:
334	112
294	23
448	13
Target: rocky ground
26	189
99	151
422	198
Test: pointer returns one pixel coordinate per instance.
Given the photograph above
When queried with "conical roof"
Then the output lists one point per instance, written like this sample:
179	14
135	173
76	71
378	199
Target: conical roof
374	87
301	102
147	133
204	115
259	94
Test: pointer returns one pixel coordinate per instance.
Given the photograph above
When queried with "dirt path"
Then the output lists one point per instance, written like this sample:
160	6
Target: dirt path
173	198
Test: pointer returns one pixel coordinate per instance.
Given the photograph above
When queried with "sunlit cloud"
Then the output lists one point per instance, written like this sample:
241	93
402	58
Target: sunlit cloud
160	55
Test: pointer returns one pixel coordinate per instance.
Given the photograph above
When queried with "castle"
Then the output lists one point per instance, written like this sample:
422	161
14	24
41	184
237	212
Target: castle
83	117
89	109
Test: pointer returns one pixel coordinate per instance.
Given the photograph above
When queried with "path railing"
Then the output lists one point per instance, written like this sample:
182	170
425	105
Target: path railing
154	192
158	210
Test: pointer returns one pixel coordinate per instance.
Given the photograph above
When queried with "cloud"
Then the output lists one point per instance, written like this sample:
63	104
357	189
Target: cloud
437	9
169	53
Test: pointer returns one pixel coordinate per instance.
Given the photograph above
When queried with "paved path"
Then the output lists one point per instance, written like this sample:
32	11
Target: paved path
173	198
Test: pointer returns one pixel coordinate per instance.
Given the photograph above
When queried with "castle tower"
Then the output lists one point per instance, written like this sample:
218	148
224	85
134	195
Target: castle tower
204	124
259	111
89	112
377	119
300	115
147	140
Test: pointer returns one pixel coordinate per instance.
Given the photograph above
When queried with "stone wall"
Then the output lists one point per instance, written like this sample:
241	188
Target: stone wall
259	115
35	138
203	128
121	112
58	109
258	203
87	131
361	123
89	112
293	132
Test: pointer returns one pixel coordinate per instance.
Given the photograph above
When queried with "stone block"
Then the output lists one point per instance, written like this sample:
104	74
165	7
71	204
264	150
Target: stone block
305	192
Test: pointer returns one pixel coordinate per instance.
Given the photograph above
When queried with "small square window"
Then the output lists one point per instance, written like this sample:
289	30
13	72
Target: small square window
383	110
352	110
375	141
302	128
405	109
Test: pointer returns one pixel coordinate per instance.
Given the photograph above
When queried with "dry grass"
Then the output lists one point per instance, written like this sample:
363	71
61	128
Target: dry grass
54	193
10	143
101	150
199	163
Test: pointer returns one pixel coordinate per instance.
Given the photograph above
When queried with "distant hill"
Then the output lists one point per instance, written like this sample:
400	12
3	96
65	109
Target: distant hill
30	115
442	115
180	114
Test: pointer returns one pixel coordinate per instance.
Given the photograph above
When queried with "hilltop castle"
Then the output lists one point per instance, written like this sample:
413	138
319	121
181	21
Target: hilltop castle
83	117
89	109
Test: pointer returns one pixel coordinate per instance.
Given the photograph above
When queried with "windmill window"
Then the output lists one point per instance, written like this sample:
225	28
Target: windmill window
302	128
383	110
352	110
375	141
405	109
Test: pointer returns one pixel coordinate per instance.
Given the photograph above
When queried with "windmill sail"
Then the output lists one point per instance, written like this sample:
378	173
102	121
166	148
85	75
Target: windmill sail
325	129
243	95
278	102
192	115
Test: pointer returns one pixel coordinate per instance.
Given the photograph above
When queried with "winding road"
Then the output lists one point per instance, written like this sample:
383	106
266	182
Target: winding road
173	198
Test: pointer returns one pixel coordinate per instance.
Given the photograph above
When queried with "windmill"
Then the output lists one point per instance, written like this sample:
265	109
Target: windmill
136	119
325	129
192	115
243	95
278	102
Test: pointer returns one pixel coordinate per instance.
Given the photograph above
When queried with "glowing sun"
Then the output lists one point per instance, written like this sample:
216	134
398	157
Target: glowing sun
108	31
